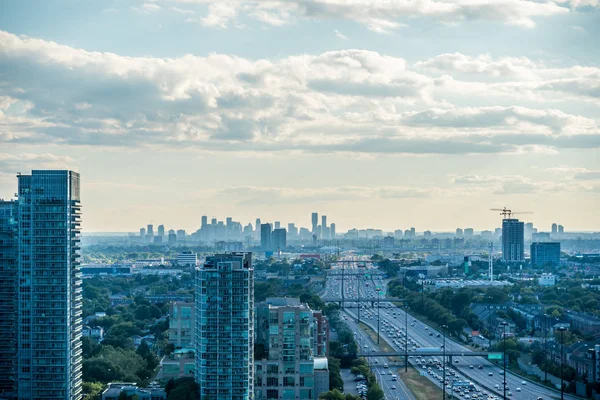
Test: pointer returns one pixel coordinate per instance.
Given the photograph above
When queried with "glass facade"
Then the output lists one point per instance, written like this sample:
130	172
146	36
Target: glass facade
49	286
225	327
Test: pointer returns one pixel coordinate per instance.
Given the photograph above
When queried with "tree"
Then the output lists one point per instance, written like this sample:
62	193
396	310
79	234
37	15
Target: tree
182	389
335	377
375	392
459	301
332	395
92	390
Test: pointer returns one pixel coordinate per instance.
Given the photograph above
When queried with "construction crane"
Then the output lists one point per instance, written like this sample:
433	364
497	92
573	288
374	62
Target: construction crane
506	213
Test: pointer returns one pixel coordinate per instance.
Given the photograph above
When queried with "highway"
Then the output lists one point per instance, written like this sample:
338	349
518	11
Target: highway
393	390
483	374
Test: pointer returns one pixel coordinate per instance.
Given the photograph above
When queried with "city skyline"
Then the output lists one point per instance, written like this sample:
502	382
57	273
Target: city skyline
391	115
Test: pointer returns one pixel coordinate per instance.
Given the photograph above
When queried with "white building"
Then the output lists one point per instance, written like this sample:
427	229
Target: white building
547	280
187	259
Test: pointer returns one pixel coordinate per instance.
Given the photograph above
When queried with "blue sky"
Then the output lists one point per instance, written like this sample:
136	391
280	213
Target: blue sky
379	113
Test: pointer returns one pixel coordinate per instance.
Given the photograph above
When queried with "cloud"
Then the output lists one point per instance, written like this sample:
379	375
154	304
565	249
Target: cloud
347	101
340	35
518	184
381	16
11	163
219	14
250	195
147	8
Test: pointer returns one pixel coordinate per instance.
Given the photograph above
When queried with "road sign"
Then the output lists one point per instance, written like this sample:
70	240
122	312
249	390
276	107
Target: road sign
494	356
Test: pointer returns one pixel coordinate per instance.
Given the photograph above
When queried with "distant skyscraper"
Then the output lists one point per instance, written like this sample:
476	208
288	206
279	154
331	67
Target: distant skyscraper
427	234
225	327
323	221
292	231
229	224
265	237
204	221
143	233
554	228
513	245
469	232
150	232
277	225
161	230
172	238
332	231
546	253
315	222
459	232
528	231
561	229
180	235
398	233
49	358
257	228
278	240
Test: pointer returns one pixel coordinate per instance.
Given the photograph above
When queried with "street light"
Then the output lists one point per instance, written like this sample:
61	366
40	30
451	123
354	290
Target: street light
504	324
378	302
406	338
545	328
562	361
444	361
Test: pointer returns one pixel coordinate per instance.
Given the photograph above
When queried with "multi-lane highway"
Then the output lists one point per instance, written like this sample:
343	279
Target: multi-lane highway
485	375
393	389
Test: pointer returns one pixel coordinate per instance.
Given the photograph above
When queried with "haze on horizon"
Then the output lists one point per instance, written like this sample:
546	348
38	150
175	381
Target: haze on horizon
378	114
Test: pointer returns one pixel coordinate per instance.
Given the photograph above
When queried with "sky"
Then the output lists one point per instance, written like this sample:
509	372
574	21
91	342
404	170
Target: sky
384	114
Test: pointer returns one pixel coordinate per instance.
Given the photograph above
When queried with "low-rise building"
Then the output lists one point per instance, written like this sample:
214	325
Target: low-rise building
114	390
187	259
179	364
93	332
547	280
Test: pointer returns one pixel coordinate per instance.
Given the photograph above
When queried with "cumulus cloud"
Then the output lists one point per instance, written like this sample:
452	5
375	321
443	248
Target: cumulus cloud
383	16
349	101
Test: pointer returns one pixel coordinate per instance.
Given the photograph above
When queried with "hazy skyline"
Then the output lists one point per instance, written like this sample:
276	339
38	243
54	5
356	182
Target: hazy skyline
378	114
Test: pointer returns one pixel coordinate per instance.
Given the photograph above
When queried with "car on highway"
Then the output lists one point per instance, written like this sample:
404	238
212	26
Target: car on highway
490	374
524	383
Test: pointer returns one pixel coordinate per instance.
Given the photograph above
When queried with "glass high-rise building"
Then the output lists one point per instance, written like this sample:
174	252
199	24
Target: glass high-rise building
48	297
225	327
8	299
513	240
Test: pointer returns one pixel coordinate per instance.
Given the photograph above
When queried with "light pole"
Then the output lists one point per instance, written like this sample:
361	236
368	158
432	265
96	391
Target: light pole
504	324
562	361
378	302
444	361
406	338
545	328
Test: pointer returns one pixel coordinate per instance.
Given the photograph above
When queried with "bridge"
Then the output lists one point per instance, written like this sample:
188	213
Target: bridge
355	273
359	299
425	354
